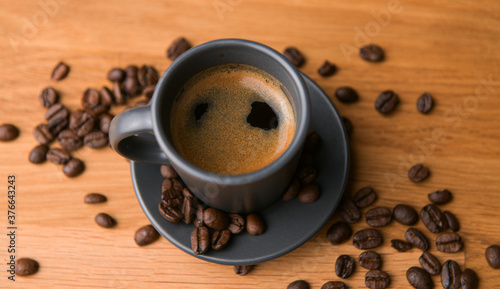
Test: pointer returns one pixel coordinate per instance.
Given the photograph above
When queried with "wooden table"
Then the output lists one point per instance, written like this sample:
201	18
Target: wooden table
448	49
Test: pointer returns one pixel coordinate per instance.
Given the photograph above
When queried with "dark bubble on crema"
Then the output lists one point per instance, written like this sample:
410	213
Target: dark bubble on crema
262	116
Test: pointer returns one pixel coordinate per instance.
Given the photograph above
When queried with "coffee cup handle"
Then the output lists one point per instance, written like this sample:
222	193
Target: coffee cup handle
131	135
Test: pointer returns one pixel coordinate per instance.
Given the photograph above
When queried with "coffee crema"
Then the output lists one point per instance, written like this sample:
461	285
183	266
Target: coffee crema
232	119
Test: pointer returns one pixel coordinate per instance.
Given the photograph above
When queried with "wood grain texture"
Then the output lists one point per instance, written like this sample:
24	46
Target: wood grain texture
449	49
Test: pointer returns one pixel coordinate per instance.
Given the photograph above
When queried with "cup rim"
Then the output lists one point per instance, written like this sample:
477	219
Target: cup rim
177	160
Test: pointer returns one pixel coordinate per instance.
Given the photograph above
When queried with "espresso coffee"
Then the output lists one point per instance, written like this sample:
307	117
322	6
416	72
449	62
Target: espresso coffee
232	119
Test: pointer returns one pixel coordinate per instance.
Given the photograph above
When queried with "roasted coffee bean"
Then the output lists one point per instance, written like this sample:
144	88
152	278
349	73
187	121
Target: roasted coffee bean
198	221
147	76
200	240
371	53
73	167
242	270
292	191
8	132
346	94
236	223
148	91
94	198
425	103
377	279
418	173
344	266
168	172
386	101
449	242
433	218
349	212
171	214
105	220
171	198
179	46
312	140
60	71
339	233
96	139
364	197
100	109
294	56
42	134
367	239
69	140
131	71
469	279
215	219
430	263
187	193
81	122
298	284
166	185
131	86
57	111
116	75
91	98
419	278
400	245
307	175
309	193
378	217
452	221
177	185
26	267
189	209
106	96
417	239
492	255
255	224
334	285
56	125
58	156
347	125
49	97
405	214
451	275
38	154
104	122
327	68
220	239
118	94
440	197
146	235
370	260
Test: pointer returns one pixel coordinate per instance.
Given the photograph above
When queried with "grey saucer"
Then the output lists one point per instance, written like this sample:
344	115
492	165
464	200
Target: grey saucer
289	224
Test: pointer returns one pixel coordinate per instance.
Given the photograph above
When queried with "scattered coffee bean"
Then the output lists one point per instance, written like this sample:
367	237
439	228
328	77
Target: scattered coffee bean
73	167
312	140
344	266
131	71
367	239
69	140
8	132
347	125
168	172
200	240
405	215
220	239
60	71
430	263
378	217
346	94
433	218
334	285
449	242
215	219
425	103
146	235
42	134
452	221
309	193
377	279
48	97
292	191
96	139
148	91
255	224
58	156
469	279
38	154
26	267
370	260
104	122
56	111
371	53
440	197
179	46
118	94
147	76
106	96
171	214
364	197
417	239
327	68
339	233
349	212
236	223
131	86
56	125
242	270
91	98
306	175
94	198
171	198
419	278
386	102
294	56
298	284
116	75
105	220
400	245
81	122
418	173
451	275
492	254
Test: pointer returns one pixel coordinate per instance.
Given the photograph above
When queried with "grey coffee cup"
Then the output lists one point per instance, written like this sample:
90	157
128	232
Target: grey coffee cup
143	134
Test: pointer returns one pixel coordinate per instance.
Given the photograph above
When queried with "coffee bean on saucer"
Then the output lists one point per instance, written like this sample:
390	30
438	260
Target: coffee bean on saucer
451	275
452	221
492	255
339	233
96	139
116	75
346	94
216	219
349	211
370	260
433	218
60	71
73	167
306	160
105	220
179	46
168	172
58	156
48	97
255	224
294	56
42	134
166	185
312	140
418	173
334	285
419	278
309	193
177	185
440	197
425	103
200	240
146	235
26	267
69	140
386	102
38	154
344	266
417	239
430	263
367	239
242	270
94	198
469	279
347	125
378	217
400	245
220	239
292	191
8	132
298	284
236	223
377	279
449	242
91	98
364	197
171	198
198	220
171	214
306	175
371	53
189	209
327	68
405	215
